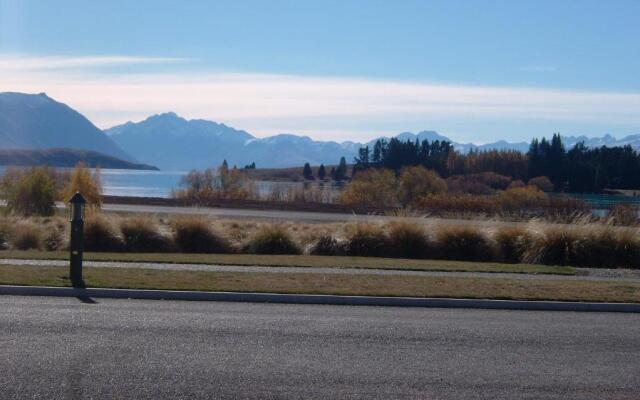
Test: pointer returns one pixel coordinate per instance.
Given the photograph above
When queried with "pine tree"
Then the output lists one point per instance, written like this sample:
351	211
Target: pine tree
341	172
306	171
321	172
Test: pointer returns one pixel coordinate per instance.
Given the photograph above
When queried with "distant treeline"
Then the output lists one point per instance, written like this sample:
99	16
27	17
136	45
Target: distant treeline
580	169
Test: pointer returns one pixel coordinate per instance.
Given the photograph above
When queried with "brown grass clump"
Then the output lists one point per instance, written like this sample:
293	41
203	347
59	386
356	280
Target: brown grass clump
464	243
99	235
143	235
327	245
367	240
511	244
54	239
624	214
407	240
272	239
552	246
606	247
194	235
26	237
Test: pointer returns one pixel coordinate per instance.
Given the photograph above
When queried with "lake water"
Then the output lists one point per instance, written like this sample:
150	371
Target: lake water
124	182
136	183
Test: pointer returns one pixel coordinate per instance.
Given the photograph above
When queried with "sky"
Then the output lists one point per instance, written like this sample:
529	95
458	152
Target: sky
476	71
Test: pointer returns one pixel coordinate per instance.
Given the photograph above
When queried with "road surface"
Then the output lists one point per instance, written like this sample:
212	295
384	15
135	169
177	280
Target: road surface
66	348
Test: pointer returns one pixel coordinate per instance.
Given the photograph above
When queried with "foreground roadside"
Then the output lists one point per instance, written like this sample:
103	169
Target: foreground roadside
63	348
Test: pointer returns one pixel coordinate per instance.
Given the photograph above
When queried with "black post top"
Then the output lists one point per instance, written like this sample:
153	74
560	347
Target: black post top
77	198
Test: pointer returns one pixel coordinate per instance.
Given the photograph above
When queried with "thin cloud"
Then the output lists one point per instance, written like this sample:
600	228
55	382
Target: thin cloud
17	62
269	103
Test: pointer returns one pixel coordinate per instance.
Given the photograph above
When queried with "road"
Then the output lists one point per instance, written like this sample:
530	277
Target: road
65	348
243	213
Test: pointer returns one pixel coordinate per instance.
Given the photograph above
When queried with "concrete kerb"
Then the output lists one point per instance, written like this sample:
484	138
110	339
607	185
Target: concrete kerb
318	299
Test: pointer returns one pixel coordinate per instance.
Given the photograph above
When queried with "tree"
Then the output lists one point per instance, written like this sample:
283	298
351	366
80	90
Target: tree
29	192
340	173
542	183
306	171
373	188
321	172
87	183
417	182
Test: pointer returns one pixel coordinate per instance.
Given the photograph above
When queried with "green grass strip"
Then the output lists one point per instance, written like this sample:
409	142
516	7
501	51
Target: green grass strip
339	284
301	261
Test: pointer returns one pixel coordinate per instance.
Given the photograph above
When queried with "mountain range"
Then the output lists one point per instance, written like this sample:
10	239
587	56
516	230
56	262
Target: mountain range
29	121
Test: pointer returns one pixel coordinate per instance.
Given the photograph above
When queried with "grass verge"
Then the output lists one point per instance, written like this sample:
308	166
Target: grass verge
300	261
340	284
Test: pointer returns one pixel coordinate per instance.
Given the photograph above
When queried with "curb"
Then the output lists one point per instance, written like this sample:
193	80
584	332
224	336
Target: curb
319	299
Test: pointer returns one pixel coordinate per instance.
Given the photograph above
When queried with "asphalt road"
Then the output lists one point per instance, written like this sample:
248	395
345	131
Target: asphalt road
64	348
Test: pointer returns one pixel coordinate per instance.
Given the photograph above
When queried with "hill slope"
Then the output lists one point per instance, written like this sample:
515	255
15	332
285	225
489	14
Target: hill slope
65	158
36	121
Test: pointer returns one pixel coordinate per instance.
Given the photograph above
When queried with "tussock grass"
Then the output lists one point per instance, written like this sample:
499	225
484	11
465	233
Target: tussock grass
26	236
367	240
195	235
584	243
100	235
273	239
511	244
408	240
143	235
327	245
464	243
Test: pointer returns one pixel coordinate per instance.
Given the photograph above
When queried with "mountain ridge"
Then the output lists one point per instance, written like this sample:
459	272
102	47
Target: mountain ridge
280	150
36	121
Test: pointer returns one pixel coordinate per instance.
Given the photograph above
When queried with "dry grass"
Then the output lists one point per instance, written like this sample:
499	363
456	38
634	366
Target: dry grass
584	243
143	235
273	239
369	285
26	236
195	235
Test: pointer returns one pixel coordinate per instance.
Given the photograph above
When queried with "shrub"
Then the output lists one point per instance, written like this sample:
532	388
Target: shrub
511	244
26	237
88	184
142	235
517	185
29	192
416	182
542	183
272	239
327	245
373	188
367	240
194	235
99	235
408	240
464	243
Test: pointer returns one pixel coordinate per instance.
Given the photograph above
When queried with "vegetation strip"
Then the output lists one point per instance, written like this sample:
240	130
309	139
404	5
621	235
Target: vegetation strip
300	261
332	284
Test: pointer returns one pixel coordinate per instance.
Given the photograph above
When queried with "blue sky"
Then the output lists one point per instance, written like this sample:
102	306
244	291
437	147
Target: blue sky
474	70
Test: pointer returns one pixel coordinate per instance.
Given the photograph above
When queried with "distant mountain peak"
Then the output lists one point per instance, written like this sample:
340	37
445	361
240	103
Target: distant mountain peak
36	121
